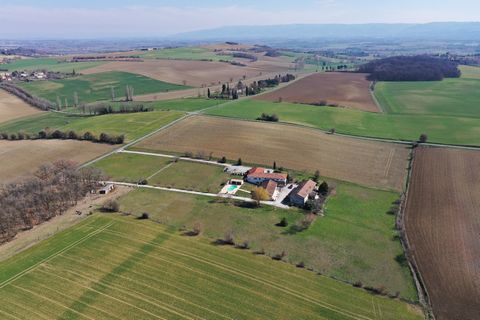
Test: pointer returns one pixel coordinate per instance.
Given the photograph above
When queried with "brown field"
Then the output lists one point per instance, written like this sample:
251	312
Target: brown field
345	89
12	107
195	73
364	162
21	158
443	227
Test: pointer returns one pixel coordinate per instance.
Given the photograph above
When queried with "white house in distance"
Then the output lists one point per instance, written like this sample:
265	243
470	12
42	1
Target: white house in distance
299	196
259	175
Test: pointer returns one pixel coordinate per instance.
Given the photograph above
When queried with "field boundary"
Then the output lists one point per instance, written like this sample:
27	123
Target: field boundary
423	296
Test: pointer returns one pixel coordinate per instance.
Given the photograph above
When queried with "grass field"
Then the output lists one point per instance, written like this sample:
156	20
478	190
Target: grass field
97	87
186	53
164	172
49	64
117	267
186	104
133	125
450	97
440	129
353	242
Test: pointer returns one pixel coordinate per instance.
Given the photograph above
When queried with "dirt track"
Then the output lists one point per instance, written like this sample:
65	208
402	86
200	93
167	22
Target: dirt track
195	73
12	107
345	89
443	226
368	163
20	158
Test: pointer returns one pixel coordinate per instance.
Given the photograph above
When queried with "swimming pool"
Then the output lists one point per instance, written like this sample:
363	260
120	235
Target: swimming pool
232	188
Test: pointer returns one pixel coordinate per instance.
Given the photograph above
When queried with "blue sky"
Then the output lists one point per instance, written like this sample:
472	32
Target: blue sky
147	18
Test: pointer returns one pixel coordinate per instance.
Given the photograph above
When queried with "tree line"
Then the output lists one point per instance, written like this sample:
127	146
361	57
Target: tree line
65	135
37	102
52	190
410	68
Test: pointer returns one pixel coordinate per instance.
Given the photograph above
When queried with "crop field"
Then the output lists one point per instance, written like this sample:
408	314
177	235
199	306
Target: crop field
134	125
49	64
449	97
12	108
470	72
440	129
354	241
368	163
344	89
117	267
186	104
20	158
95	87
186	53
443	224
191	73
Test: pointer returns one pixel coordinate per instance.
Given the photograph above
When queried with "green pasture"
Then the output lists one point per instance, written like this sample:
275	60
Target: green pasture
185	53
49	64
97	87
110	266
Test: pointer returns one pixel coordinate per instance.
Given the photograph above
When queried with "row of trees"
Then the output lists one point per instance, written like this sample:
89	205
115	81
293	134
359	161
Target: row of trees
65	135
27	97
103	108
411	68
53	189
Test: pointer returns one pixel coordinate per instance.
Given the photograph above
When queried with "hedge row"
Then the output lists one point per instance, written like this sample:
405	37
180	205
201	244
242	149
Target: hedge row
65	135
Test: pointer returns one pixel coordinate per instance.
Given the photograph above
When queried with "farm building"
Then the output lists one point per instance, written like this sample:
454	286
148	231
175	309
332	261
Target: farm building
107	189
271	187
259	175
237	170
302	192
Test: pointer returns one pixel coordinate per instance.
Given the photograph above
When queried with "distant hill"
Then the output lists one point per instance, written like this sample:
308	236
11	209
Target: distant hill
430	31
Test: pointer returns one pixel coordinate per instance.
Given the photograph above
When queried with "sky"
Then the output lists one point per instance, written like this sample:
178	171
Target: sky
149	18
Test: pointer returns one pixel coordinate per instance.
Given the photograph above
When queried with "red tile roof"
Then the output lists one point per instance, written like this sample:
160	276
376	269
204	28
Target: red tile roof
260	173
270	186
305	188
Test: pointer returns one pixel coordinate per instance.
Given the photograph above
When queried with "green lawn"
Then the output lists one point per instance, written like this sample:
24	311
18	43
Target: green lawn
97	87
133	125
188	105
50	64
191	176
355	241
126	167
450	97
185	53
110	266
164	172
440	129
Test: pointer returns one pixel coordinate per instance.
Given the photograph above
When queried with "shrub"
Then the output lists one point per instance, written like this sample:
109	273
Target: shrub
223	160
88	136
57	134
72	135
144	216
21	136
13	136
301	265
323	188
283	222
4	135
143	182
358	284
111	206
423	138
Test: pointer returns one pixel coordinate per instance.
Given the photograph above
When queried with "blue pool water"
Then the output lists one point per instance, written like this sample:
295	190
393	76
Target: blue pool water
232	188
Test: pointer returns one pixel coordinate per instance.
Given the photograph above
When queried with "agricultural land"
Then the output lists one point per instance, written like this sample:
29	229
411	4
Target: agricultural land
442	225
12	108
117	267
291	146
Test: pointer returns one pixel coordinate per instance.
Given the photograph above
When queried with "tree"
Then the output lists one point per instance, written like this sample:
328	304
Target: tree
323	188
208	93
59	103
239	162
423	138
112	93
274	165
66	102
316	176
75	99
259	194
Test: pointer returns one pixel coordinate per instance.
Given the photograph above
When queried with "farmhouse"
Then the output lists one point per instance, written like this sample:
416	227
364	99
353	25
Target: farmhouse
302	192
271	187
259	175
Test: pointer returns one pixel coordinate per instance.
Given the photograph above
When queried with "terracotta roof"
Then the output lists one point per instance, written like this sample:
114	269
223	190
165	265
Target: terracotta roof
305	188
260	173
270	186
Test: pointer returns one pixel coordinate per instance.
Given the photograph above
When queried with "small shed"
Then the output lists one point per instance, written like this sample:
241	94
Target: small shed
107	189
